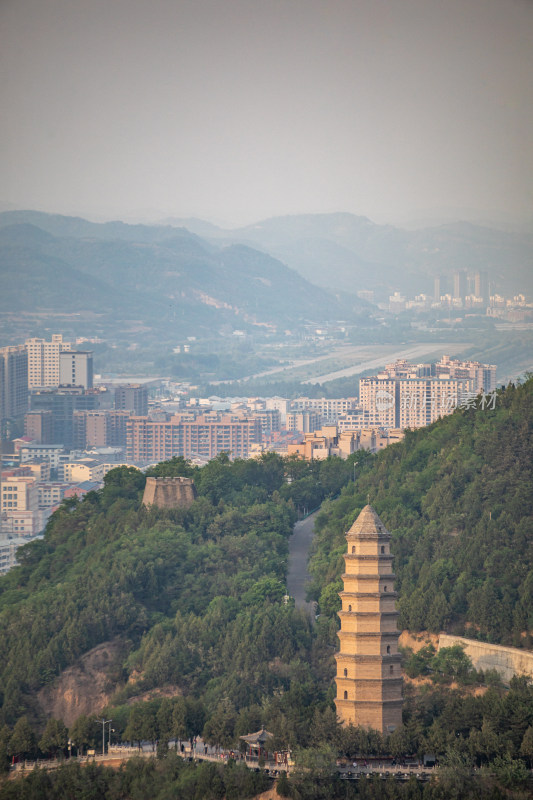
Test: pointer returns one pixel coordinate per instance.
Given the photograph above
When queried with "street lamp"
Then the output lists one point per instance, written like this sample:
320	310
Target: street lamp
104	723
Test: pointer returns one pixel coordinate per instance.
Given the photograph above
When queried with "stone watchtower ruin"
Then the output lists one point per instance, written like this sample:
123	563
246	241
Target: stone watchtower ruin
369	676
169	492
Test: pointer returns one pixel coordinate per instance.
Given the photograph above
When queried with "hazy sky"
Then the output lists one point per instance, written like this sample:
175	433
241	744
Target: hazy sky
235	110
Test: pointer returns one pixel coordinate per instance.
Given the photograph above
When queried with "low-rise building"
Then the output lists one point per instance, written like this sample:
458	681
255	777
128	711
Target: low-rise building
39	452
8	552
303	421
39	469
83	470
19	506
50	493
330	441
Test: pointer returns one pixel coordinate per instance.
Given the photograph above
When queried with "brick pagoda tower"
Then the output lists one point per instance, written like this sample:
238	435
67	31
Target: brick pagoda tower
369	677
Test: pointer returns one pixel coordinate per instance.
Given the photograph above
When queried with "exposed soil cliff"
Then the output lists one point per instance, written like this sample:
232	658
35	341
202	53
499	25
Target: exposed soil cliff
84	688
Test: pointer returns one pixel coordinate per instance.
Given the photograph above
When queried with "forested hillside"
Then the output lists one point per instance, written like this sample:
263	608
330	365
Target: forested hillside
457	498
195	597
208	645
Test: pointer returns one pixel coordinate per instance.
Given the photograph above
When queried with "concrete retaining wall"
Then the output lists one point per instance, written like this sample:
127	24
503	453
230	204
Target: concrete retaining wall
508	661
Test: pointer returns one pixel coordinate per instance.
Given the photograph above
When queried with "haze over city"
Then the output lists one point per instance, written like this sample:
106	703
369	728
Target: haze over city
408	113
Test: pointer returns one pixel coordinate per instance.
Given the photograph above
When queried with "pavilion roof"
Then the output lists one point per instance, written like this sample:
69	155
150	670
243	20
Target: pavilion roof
259	737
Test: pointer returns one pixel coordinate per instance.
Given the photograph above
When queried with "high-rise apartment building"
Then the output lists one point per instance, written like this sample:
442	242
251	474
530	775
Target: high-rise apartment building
303	421
481	286
459	284
409	402
203	437
76	368
43	360
481	377
422	401
99	428
132	397
38	426
379	401
414	395
89	429
369	673
13	385
62	403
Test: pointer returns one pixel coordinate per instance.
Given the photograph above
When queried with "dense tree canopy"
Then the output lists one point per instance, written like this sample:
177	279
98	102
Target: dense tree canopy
457	500
195	595
197	599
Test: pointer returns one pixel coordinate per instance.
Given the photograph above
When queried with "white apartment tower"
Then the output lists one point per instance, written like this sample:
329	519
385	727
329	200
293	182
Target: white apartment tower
76	368
43	360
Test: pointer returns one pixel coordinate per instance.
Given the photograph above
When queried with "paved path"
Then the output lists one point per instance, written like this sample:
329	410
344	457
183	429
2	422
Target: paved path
298	577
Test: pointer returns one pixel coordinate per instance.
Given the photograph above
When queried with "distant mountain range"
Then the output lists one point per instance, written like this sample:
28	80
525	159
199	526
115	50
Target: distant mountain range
350	252
193	278
162	275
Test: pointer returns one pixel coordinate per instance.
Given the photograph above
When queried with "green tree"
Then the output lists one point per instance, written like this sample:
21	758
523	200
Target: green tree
452	662
5	736
22	741
188	718
455	774
329	601
399	742
509	771
219	729
135	729
54	737
81	733
526	748
283	787
164	719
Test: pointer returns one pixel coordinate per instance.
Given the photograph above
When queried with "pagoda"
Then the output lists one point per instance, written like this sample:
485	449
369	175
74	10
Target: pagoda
369	675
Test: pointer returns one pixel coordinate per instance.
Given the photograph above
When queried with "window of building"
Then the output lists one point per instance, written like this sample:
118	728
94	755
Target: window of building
388	648
345	673
345	695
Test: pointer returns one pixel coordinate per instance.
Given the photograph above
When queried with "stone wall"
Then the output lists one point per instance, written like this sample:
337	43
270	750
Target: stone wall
508	661
169	492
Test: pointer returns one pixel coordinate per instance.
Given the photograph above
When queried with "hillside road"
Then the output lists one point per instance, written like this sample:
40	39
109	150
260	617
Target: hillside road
298	576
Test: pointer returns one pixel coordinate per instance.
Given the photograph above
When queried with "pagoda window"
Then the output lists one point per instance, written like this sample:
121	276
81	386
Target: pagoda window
382	548
353	548
349	608
345	672
345	695
388	648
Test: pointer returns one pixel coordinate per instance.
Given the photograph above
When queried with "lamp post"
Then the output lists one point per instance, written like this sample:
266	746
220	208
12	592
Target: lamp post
104	723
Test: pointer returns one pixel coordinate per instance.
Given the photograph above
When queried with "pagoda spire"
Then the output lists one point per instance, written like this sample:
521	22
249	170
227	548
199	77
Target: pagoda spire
369	678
